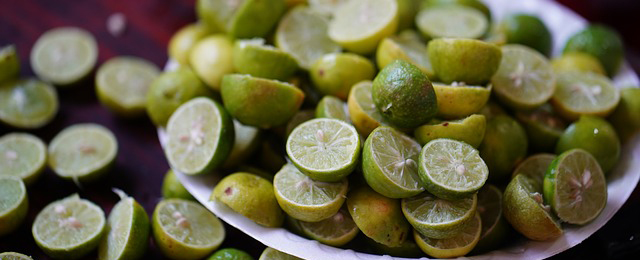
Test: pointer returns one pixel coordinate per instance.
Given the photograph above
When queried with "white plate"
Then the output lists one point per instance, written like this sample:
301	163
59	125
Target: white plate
621	182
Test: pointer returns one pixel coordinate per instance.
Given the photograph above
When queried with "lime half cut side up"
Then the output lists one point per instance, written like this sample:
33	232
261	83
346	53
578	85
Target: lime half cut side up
336	230
22	155
439	218
582	93
456	246
27	103
14	203
452	21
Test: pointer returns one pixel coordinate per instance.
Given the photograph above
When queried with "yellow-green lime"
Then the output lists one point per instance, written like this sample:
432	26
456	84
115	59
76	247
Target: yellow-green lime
452	21
527	30
439	218
336	230
247	140
335	73
456	246
183	40
469	130
495	228
241	19
173	188
127	231
600	41
476	4
27	103
22	155
584	93
14	256
332	107
626	119
459	100
577	61
257	59
362	111
543	127
211	58
272	254
324	7
9	63
464	60
407	47
14	203
594	135
503	147
230	254
535	167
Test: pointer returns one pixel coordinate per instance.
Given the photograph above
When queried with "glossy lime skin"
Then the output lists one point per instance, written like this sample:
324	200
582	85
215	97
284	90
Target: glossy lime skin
335	73
626	117
528	30
504	146
602	42
230	254
594	135
464	60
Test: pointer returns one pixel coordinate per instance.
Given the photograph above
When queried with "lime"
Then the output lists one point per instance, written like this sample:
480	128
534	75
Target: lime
543	127
503	147
184	229
380	218
452	21
575	187
492	109
9	63
407	47
336	230
527	30
303	34
458	100
127	231
247	141
22	155
27	103
324	149
14	256
469	130
211	13
362	111
407	10
626	118
211	58
172	188
230	254
456	246
83	152
69	228
408	248
272	254
494	227
200	136
523	207
470	61
335	73
390	163
577	61
170	90
600	41
451	169
594	135
122	84
360	25
325	7
250	195
241	19
535	167
183	40
257	59
404	95
260	102
64	55
14	203
439	218
580	93
495	35
332	107
476	4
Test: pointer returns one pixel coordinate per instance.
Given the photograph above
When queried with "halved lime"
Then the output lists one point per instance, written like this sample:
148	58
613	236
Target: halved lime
503	147
408	248
452	21
469	130
362	111
64	55
543	127
476	4
173	188
69	228
305	199
14	203
335	73
241	19
272	254
390	163
200	136
535	167
332	107
575	187
14	256
464	60
22	155
127	231
360	25
325	7
580	93
303	34
183	40
212	58
459	100
9	63
230	254
257	59
336	230
625	118
458	245
451	169
122	84
577	61
324	149
27	103
246	142
439	218
524	79
184	229
82	152
404	47
494	227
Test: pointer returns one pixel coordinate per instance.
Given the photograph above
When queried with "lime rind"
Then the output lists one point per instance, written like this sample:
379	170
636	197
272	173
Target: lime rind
469	130
456	246
332	107
9	63
535	167
362	111
458	100
257	59
28	103
14	256
23	155
14	203
336	230
126	232
439	218
580	93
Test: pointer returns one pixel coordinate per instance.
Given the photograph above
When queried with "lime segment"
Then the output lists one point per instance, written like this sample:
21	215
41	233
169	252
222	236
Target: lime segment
456	246
336	230
27	103
439	218
127	231
14	204
22	155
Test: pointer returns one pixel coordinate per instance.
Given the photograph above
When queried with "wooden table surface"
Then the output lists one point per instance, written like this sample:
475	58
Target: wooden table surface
140	164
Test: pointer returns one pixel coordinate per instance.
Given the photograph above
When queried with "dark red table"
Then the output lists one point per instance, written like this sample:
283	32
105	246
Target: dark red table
141	164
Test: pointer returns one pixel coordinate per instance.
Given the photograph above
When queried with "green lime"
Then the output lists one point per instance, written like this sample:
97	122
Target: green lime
230	254
458	100
439	218
173	188
27	103
335	73
362	111
575	187
464	60
390	163
251	196
9	63
476	4
495	35
524	79
170	90
241	19
257	59
600	41
247	141
183	229
64	55
22	155
200	136
83	152
577	61
626	118
272	254
336	230
404	95
324	7
495	229
332	107
324	149
503	147
452	21
594	135
535	167
408	248
405	47
183	40
122	84
469	130
127	231
260	102
523	207
14	256
543	127
211	58
378	217
580	93
456	246
527	30
360	25
14	203
451	169
407	10
69	228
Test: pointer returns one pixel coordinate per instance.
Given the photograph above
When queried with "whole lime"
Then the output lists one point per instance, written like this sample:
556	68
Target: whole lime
503	147
600	41
230	254
626	117
528	30
594	135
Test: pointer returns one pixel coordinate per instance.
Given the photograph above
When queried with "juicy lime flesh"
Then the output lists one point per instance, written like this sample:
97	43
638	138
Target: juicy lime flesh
120	224
11	193
364	98
332	107
397	156
190	223
363	23
14	256
585	93
126	80
452	21
336	230
82	149
21	155
417	52
458	245
302	190
429	209
454	165
28	103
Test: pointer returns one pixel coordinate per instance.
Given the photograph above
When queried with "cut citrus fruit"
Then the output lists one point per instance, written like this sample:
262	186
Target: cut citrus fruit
14	203
9	63
272	254
469	130
335	73
543	127
27	103
183	40
247	140
407	48
580	93
336	230
241	19
456	246
438	218
362	111
577	61
173	188
257	59
470	61
503	147
212	58
230	254
452	21
494	227
14	256
325	7
127	231
297	119
535	167
626	119
458	100
332	107
22	155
